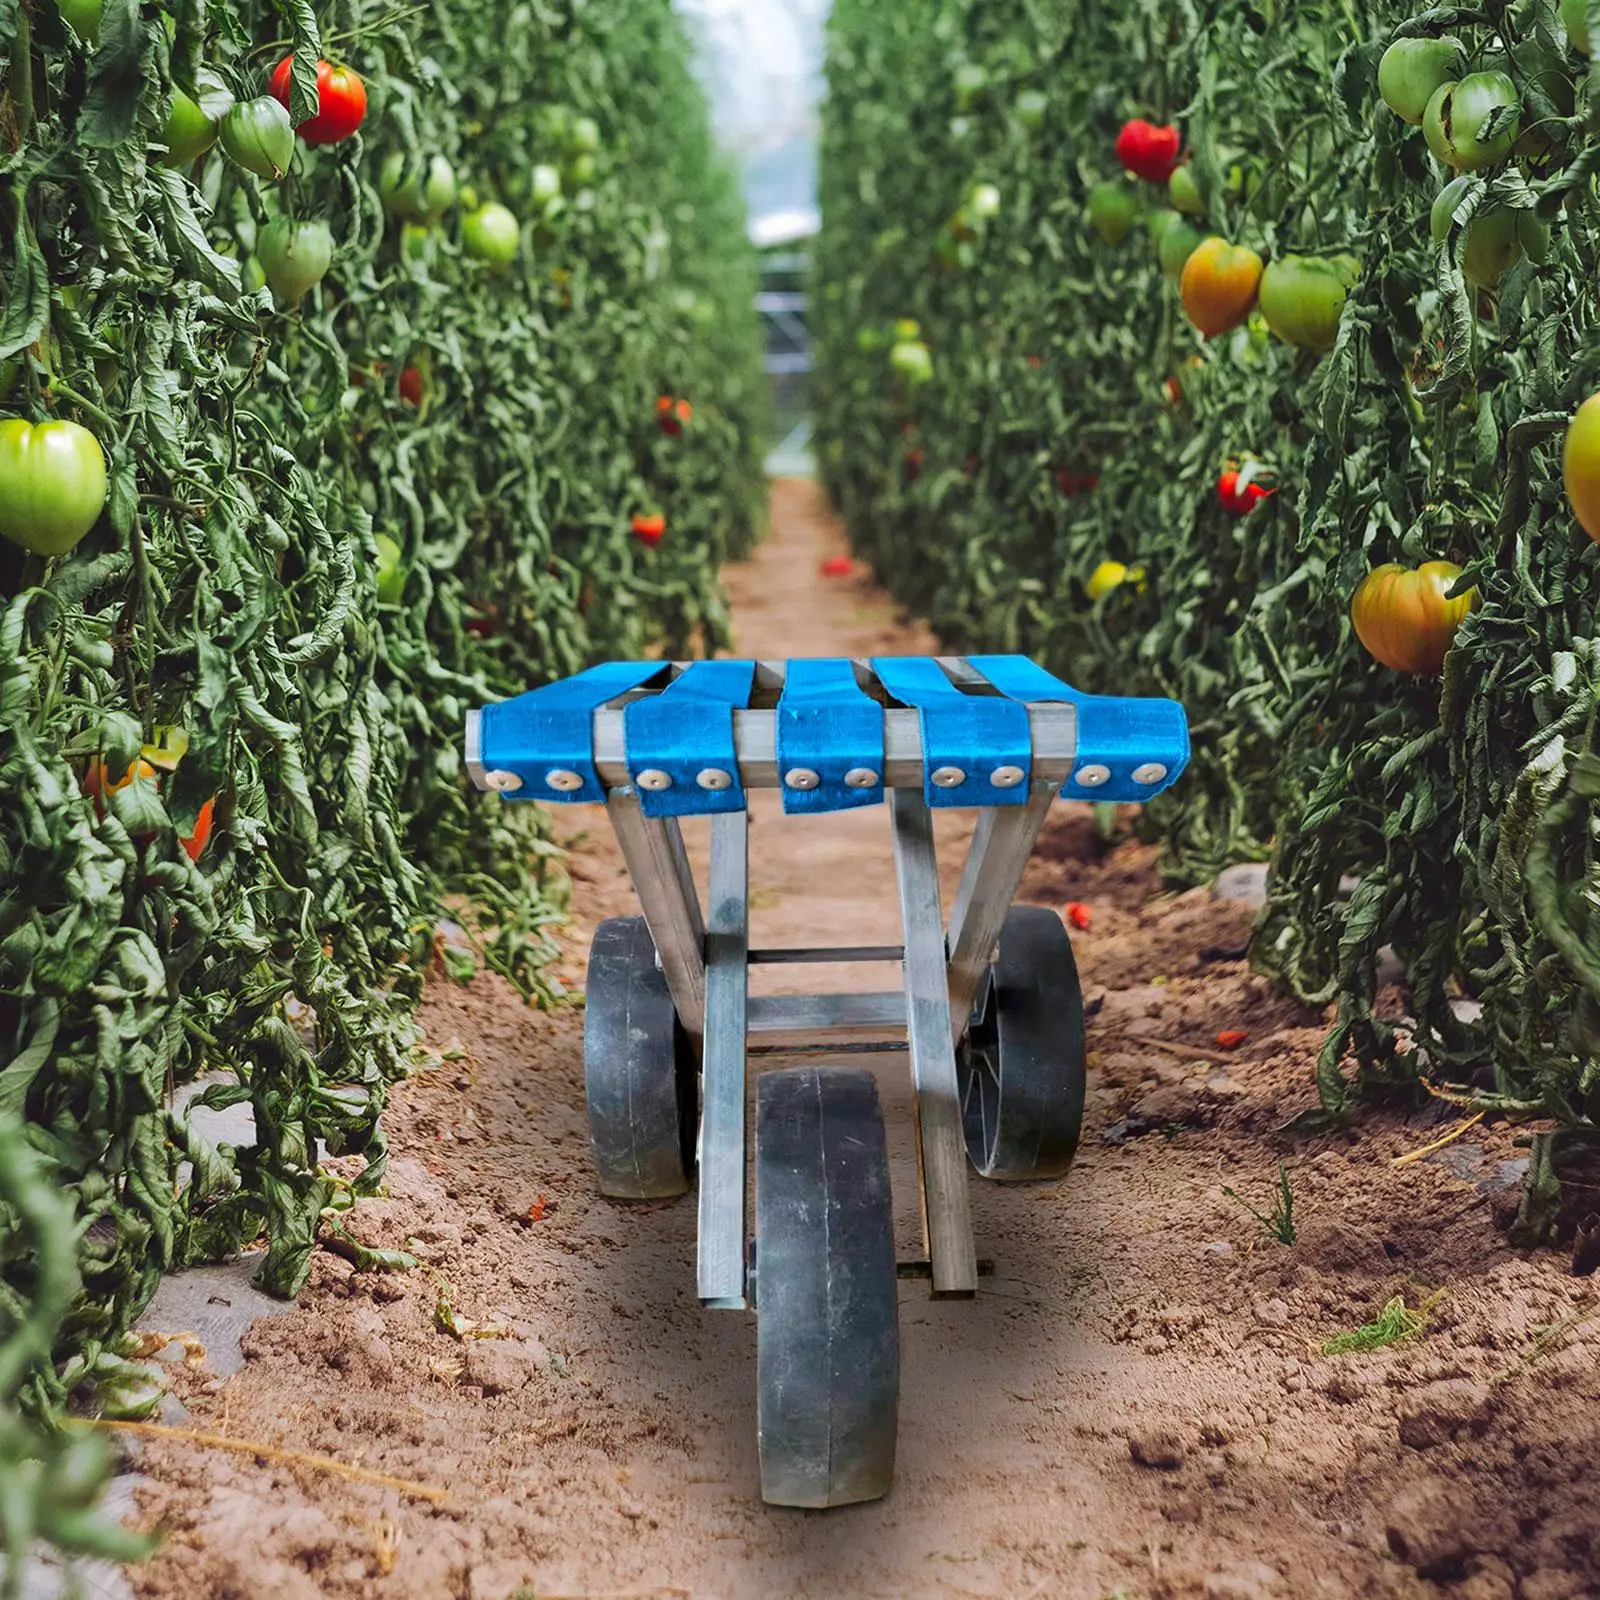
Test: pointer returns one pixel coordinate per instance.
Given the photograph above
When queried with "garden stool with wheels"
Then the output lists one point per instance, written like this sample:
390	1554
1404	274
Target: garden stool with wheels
989	1009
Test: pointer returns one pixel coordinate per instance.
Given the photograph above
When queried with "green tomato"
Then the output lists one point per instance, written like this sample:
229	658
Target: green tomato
912	359
583	137
1457	113
1575	19
970	81
1176	240
1184	192
52	484
84	18
1113	210
1497	240
192	126
581	170
544	184
868	340
491	233
1412	71
391	571
1301	298
1444	208
983	202
415	190
295	257
259	136
1031	107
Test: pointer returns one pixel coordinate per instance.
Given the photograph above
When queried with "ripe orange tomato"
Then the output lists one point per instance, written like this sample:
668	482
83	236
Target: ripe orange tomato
648	527
95	783
1403	617
1219	285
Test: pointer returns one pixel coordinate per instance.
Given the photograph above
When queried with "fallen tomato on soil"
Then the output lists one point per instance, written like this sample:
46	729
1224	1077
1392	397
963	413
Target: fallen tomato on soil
1078	915
1232	1038
838	567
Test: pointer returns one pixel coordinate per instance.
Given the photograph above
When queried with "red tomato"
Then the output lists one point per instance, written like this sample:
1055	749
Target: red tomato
341	101
1073	484
411	386
648	527
1236	501
667	416
196	842
1232	1038
1078	915
914	460
1148	151
1034	362
838	567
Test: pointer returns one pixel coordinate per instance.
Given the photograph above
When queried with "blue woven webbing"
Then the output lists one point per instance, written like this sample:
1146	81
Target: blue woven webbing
684	730
974	733
827	723
548	729
1113	732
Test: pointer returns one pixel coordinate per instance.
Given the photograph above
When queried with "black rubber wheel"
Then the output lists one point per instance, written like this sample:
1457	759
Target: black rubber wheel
1022	1066
639	1069
827	1325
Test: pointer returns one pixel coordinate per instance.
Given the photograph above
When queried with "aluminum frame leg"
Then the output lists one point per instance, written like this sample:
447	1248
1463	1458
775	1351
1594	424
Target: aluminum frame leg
653	849
999	856
941	1147
724	1118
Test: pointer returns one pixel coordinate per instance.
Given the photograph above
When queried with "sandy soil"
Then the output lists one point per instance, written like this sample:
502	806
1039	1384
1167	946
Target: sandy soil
1135	1406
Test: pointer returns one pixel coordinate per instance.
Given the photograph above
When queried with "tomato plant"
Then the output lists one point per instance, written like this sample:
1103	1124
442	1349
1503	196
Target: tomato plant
1148	151
341	101
1219	285
1404	618
52	484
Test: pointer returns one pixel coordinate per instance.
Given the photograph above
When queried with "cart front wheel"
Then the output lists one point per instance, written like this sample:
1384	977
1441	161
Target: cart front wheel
639	1069
1022	1066
827	1327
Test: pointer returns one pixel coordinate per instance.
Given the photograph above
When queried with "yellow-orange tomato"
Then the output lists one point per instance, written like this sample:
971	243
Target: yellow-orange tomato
1403	617
97	788
1219	285
1580	466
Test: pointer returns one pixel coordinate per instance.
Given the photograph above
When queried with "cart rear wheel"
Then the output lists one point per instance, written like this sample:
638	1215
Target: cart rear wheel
827	1326
639	1069
1022	1066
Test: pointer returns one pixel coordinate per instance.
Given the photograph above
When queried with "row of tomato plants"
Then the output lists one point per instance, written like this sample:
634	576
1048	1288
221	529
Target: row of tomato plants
356	366
1243	354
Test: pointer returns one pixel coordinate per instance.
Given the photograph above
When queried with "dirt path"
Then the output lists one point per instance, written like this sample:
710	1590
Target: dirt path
1136	1404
